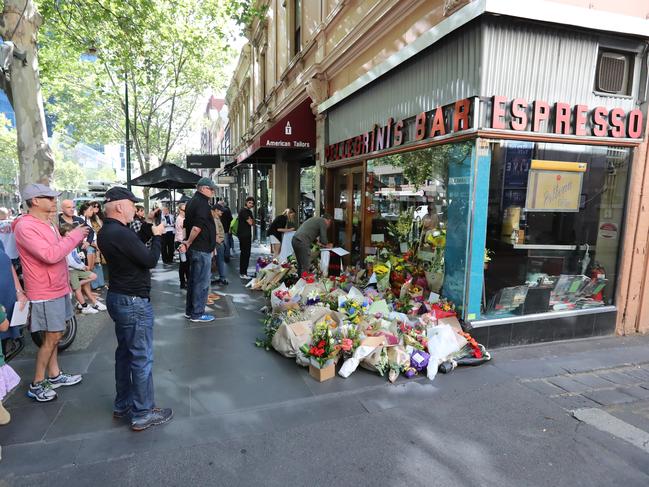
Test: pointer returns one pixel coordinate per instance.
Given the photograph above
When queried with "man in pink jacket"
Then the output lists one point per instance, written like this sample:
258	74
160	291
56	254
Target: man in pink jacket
43	255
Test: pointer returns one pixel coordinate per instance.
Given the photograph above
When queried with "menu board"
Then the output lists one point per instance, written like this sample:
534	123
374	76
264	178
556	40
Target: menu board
554	186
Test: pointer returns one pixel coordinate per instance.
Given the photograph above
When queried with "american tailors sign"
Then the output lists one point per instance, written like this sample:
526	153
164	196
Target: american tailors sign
499	113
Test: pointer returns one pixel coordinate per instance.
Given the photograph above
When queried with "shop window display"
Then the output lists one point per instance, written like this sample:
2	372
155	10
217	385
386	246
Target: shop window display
554	227
418	210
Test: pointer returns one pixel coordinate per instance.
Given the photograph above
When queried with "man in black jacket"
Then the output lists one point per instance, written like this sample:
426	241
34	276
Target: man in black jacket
200	244
129	305
246	223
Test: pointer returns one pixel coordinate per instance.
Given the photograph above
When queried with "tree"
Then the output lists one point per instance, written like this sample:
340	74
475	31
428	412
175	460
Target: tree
19	23
68	176
167	59
8	156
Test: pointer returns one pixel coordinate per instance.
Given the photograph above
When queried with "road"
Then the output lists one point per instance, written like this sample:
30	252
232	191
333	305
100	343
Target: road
244	416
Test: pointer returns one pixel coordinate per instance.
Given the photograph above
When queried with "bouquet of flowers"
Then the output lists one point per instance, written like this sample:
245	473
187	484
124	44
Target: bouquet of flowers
353	309
263	262
282	299
322	348
348	338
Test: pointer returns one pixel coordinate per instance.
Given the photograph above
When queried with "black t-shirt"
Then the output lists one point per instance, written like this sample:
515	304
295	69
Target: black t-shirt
243	229
129	260
280	222
198	214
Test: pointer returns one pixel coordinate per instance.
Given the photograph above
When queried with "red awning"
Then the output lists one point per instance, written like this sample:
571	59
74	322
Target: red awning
293	131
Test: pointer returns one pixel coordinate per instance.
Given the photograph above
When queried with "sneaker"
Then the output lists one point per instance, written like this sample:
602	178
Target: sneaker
202	319
89	310
41	392
122	414
99	306
186	316
245	277
64	379
222	282
155	417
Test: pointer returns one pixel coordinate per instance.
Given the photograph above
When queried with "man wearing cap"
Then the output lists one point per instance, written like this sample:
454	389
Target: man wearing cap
43	253
129	305
200	244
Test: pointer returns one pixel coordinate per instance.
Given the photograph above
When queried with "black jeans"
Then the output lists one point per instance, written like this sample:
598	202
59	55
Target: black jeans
245	243
183	268
168	247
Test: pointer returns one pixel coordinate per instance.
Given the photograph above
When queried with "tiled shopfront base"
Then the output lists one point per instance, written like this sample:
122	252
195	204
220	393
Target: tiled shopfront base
561	328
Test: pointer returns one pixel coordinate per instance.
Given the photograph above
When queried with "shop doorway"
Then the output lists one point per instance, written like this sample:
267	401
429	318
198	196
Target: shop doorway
347	208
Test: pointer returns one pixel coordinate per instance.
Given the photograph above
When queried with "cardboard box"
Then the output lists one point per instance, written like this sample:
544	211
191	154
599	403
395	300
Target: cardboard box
322	375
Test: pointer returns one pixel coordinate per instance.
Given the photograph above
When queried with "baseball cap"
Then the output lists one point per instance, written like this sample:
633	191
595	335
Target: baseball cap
218	207
206	182
35	190
120	193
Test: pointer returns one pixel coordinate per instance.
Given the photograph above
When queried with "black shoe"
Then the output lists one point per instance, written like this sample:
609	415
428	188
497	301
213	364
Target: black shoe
155	417
223	282
122	414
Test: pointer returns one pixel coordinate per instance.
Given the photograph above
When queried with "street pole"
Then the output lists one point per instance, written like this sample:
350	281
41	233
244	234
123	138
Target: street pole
128	134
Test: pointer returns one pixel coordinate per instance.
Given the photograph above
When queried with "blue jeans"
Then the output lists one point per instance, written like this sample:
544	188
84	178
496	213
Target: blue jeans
133	317
199	282
228	245
220	260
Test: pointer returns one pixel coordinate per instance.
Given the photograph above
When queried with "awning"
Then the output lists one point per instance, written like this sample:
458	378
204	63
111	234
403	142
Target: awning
294	132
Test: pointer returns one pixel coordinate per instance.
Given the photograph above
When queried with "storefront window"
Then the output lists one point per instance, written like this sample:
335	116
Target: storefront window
554	227
418	205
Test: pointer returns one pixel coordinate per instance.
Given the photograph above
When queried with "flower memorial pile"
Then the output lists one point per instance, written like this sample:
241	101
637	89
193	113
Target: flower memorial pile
387	321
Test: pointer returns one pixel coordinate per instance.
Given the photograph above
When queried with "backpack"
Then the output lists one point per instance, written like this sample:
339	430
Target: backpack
234	225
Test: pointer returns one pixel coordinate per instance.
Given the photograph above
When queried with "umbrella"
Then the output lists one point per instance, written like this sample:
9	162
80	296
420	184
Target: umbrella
168	176
164	195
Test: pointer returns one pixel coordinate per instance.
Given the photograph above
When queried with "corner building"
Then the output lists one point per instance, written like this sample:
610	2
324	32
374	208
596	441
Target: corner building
520	128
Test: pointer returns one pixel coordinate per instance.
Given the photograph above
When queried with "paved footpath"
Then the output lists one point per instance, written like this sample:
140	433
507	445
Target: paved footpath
564	413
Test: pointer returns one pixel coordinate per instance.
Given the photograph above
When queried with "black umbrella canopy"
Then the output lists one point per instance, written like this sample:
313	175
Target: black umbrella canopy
166	194
167	176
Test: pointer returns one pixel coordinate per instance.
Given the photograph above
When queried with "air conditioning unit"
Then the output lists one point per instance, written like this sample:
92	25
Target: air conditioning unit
614	73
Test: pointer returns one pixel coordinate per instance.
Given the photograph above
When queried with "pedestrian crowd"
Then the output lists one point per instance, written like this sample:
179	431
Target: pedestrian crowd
48	256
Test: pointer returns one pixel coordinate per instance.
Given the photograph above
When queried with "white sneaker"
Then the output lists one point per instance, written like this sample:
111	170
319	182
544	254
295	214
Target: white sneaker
243	276
88	310
99	306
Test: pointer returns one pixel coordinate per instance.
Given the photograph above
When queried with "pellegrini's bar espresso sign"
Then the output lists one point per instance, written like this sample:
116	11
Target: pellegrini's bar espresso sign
498	113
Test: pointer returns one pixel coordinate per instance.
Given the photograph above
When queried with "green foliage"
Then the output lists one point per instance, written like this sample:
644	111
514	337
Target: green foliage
170	53
68	176
8	156
426	164
245	12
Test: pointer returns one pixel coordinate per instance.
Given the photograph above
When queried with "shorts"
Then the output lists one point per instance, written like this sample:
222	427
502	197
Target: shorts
51	315
274	240
76	276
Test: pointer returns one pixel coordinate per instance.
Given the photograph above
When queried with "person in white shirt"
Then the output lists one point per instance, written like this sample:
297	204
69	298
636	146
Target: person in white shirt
80	279
168	236
7	235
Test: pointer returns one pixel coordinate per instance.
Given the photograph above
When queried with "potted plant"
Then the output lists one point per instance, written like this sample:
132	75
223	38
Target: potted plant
322	352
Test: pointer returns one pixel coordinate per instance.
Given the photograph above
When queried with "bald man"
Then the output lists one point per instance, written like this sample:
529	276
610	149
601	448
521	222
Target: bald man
67	216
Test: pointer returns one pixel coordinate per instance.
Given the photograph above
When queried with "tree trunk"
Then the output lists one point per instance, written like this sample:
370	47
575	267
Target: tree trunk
34	153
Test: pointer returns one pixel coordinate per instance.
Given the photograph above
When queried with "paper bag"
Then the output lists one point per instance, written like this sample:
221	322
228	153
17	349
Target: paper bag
291	336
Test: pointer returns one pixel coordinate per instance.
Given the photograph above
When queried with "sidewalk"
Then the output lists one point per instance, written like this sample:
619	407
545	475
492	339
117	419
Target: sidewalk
244	416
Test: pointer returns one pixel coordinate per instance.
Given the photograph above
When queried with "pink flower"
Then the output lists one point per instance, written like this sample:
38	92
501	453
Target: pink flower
346	344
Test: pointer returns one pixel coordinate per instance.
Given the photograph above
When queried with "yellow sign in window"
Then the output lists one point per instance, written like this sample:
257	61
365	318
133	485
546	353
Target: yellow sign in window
554	186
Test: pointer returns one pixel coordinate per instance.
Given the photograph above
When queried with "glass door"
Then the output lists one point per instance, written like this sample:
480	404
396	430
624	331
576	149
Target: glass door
347	208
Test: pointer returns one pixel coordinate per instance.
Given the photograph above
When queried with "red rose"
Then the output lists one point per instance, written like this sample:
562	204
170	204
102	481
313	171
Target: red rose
321	343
